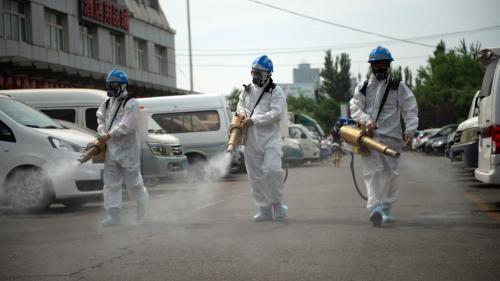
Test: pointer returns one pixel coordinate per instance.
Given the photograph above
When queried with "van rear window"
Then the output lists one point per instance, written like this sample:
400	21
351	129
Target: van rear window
188	122
91	118
62	114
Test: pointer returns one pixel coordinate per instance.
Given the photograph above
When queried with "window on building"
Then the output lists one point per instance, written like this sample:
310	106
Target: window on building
161	59
87	41
13	20
116	48
54	30
139	54
188	122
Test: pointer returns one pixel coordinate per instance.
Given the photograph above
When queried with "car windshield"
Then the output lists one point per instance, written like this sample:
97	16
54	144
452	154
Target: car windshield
26	115
153	127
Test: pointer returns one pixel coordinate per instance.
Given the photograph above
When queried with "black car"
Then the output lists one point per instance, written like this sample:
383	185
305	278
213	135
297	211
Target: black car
442	133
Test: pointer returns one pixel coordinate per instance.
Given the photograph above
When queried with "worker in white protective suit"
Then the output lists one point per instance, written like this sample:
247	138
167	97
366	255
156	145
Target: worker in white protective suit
382	117
263	110
117	119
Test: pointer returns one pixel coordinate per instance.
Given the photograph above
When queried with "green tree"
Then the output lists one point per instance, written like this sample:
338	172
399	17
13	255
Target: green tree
336	75
232	98
397	73
328	73
445	87
408	77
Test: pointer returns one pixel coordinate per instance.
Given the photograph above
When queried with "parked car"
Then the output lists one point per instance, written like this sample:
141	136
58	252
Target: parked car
488	170
441	133
418	144
466	142
292	152
162	154
39	160
310	145
201	122
438	145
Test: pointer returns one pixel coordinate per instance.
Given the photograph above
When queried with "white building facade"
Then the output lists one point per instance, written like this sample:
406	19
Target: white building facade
75	43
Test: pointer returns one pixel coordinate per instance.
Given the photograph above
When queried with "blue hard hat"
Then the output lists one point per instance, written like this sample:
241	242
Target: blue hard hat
117	76
380	53
263	63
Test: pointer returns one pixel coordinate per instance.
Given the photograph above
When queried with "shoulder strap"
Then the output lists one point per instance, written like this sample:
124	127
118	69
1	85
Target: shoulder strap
126	100
363	88
390	86
107	104
245	87
395	84
116	112
269	88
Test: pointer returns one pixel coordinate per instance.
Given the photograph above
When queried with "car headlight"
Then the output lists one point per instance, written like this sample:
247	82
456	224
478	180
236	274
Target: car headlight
62	144
161	149
438	143
469	134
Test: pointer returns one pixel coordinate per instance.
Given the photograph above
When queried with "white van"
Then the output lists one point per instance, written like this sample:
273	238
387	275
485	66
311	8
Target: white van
162	156
310	145
39	160
466	140
488	170
201	122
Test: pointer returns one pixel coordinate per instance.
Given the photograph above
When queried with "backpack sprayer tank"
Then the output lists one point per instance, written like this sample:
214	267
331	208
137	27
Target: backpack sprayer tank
361	142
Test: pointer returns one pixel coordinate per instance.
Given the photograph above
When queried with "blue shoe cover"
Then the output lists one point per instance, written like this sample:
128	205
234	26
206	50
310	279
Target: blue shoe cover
376	217
112	219
280	211
265	214
140	212
387	214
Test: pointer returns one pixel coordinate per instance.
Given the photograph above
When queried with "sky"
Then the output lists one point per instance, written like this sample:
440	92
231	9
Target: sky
227	35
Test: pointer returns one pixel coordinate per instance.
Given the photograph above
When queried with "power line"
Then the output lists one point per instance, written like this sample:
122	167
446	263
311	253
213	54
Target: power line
343	46
286	65
341	25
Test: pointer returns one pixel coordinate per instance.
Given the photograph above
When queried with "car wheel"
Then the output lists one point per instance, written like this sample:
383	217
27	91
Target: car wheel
151	182
29	190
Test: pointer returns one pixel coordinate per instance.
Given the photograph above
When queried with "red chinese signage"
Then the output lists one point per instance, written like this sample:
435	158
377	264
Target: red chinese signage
14	82
105	13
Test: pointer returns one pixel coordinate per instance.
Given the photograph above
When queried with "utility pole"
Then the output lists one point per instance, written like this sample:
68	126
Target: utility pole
190	54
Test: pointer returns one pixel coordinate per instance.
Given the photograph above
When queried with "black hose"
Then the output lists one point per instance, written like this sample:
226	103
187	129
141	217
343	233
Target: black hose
354	178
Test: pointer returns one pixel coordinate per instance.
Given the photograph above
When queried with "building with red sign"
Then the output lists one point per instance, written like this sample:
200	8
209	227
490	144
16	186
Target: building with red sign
74	43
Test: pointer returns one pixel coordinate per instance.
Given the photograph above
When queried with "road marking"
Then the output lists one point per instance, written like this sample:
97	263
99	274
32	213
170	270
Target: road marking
485	207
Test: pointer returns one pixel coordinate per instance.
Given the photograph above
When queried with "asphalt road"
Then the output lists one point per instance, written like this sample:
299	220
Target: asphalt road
447	228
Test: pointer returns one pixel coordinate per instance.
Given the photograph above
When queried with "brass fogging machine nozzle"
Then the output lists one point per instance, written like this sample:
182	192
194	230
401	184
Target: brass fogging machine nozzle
235	134
94	150
359	138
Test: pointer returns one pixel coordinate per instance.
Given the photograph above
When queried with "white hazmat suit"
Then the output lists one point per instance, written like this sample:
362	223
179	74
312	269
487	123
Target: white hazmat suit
263	142
380	171
122	164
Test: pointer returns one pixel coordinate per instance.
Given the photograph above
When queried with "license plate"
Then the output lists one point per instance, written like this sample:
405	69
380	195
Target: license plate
184	164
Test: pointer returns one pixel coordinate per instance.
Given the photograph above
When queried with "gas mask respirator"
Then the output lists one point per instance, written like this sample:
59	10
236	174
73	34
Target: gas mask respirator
114	90
380	71
259	77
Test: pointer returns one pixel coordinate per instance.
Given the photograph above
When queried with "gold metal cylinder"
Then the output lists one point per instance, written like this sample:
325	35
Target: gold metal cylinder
358	138
234	133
